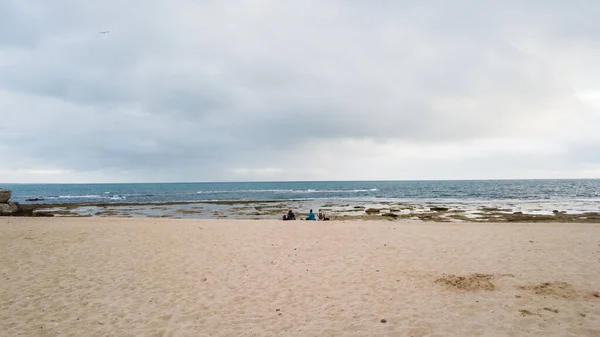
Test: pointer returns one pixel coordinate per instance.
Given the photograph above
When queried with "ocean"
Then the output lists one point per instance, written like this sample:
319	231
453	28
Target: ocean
572	195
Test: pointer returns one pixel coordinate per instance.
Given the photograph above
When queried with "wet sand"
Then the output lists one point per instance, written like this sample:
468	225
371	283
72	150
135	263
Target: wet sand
166	277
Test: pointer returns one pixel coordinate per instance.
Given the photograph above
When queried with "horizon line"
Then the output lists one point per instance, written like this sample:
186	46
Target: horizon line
290	181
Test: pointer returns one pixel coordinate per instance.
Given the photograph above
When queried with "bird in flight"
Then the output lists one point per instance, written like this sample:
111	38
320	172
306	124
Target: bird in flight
104	32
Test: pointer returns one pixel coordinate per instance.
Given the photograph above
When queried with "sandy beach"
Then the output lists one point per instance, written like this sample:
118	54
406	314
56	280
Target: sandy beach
165	277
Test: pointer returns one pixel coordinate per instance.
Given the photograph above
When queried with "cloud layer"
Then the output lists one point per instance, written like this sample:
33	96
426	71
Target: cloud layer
298	90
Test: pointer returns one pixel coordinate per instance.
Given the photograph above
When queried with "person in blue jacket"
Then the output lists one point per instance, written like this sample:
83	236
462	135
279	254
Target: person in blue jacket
311	216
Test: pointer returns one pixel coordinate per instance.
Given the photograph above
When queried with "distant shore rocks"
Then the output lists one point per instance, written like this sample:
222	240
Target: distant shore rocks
11	208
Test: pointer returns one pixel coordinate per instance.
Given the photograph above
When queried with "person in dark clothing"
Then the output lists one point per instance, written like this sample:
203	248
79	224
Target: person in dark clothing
322	216
311	216
290	216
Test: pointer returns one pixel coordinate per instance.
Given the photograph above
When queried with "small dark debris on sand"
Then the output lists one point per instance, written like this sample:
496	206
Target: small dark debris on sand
472	282
525	312
558	289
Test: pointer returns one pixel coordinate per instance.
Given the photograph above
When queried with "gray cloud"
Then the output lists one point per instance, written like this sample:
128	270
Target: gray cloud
207	90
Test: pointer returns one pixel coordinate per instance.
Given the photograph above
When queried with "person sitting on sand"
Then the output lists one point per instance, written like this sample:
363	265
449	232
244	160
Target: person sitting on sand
311	216
322	216
290	216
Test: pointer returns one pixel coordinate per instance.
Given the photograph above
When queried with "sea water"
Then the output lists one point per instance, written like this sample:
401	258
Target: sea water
582	195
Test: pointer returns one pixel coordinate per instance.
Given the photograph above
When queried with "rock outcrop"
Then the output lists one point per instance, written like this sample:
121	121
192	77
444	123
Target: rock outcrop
7	207
5	196
372	211
11	208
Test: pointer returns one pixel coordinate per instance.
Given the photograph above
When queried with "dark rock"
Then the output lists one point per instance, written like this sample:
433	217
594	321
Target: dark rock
372	211
5	209
390	214
16	209
439	209
5	195
43	214
383	321
555	211
517	213
9	208
35	199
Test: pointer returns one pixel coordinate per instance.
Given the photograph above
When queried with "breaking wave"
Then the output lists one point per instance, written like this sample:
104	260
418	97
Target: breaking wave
289	191
90	196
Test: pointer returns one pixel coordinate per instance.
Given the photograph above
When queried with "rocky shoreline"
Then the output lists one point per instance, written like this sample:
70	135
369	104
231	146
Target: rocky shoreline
271	209
13	208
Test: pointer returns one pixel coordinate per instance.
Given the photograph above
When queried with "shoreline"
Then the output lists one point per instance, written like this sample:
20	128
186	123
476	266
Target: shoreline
154	277
337	209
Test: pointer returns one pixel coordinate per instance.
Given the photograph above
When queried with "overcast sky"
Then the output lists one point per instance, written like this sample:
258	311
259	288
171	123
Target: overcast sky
192	90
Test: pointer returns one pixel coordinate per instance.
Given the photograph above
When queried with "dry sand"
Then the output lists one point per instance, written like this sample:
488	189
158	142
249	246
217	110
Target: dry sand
150	277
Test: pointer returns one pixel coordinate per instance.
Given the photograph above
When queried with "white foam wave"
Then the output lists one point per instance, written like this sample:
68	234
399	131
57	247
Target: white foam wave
90	196
310	190
79	196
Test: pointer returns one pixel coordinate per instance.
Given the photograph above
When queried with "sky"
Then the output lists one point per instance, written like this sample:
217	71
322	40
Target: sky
191	90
